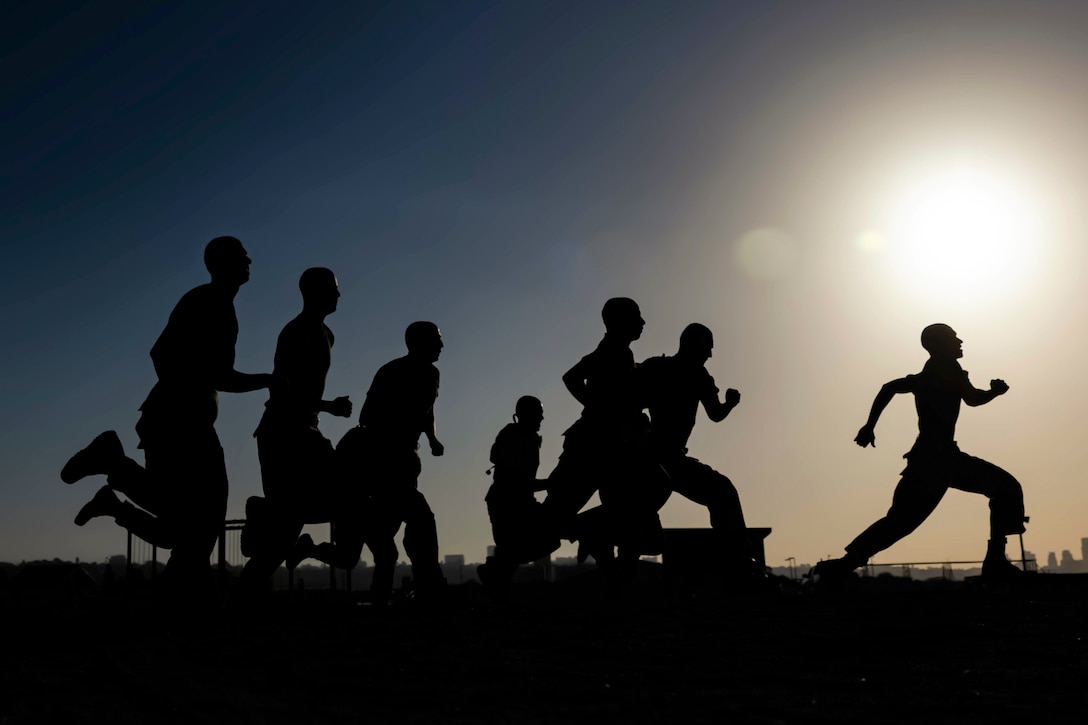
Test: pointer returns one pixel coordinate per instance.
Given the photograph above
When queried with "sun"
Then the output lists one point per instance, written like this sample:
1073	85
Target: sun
962	233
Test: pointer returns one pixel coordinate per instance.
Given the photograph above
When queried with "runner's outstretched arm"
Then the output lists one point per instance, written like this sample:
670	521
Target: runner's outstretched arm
867	435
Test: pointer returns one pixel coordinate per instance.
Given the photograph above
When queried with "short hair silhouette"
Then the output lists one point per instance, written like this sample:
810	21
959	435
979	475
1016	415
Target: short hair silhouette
419	333
315	280
696	335
222	250
935	335
618	310
528	406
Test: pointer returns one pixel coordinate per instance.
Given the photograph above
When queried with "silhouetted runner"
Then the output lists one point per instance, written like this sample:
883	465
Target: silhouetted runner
183	490
605	449
302	481
674	387
522	532
935	463
603	382
384	453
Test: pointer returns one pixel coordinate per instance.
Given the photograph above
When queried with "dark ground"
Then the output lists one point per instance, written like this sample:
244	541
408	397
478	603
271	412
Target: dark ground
889	651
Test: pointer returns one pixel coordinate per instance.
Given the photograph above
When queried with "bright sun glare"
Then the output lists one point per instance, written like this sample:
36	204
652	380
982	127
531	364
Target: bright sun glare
963	232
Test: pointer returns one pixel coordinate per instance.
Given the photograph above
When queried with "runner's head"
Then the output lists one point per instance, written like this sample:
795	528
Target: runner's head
623	318
320	290
424	340
227	261
529	411
697	342
940	341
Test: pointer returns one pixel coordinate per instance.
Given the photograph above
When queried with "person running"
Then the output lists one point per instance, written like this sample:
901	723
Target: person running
521	531
674	387
605	450
384	453
935	463
299	473
181	492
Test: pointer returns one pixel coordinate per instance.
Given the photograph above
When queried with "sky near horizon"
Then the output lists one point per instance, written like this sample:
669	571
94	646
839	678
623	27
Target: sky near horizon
815	182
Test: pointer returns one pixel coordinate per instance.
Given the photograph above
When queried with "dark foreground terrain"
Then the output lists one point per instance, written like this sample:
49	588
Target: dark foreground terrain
881	652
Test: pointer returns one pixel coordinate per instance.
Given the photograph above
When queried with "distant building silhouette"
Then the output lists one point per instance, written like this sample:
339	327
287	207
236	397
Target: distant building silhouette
1067	564
453	568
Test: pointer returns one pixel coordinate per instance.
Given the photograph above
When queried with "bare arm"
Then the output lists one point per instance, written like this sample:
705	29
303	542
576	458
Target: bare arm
575	380
431	430
867	435
975	397
341	407
717	410
236	382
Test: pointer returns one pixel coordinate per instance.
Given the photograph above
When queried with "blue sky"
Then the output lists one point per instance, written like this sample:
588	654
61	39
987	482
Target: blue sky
502	169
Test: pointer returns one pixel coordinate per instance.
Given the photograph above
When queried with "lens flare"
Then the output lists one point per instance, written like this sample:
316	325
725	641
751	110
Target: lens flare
766	253
870	241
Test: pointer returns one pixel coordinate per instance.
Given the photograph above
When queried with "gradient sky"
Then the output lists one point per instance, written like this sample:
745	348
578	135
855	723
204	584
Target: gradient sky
502	169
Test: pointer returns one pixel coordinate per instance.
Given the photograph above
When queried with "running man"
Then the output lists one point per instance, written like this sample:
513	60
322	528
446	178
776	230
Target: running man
299	473
606	450
182	492
935	463
675	387
383	453
522	533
